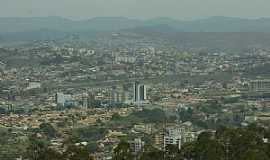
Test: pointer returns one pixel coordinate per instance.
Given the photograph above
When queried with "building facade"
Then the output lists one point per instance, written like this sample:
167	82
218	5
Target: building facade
139	93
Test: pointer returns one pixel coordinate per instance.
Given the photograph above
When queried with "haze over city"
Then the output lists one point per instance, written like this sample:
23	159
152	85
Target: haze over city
134	80
141	9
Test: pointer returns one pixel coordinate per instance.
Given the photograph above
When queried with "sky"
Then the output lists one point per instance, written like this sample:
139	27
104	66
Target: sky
140	9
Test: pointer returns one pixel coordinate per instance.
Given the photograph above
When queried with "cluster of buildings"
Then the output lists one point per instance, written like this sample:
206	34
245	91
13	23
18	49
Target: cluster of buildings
78	85
259	85
175	135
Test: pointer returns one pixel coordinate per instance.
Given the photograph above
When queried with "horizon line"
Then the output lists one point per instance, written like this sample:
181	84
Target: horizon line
141	19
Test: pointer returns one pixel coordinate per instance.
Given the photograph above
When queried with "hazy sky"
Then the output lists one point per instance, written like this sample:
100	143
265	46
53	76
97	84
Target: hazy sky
180	9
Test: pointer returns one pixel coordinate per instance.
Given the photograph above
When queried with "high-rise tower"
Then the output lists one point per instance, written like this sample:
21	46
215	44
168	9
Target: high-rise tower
139	92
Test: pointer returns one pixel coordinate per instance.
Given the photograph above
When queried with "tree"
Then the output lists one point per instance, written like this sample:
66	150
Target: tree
53	155
151	153
186	115
188	150
3	135
48	129
38	150
208	148
92	147
116	117
74	152
172	119
172	152
150	116
254	155
229	143
122	152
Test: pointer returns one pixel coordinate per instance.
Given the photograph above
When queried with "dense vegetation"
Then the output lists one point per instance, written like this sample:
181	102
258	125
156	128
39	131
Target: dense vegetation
39	150
224	144
146	116
246	143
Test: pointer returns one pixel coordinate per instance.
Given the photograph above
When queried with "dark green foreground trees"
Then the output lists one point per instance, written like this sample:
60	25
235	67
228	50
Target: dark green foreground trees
38	150
248	143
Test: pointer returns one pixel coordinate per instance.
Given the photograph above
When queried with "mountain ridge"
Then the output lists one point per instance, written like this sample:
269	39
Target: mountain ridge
212	24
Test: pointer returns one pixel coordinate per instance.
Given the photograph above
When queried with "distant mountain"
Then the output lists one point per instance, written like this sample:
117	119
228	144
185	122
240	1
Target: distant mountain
229	41
8	25
227	24
110	23
42	34
213	24
213	33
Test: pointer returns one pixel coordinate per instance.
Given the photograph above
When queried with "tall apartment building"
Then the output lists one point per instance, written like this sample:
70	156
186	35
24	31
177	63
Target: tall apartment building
259	85
175	135
139	92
